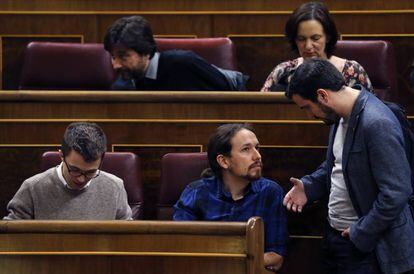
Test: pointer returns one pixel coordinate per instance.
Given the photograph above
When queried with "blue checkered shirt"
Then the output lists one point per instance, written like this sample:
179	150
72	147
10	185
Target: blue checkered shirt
206	199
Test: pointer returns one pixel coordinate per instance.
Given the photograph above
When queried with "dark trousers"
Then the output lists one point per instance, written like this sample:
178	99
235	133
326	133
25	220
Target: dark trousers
340	256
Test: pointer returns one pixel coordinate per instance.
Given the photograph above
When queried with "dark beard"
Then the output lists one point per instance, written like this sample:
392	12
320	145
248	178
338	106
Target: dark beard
330	116
128	74
251	178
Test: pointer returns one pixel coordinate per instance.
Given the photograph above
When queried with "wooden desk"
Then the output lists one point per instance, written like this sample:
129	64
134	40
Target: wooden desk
260	46
146	247
151	124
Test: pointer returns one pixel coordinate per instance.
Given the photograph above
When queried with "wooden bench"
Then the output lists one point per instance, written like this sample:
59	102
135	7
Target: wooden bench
145	247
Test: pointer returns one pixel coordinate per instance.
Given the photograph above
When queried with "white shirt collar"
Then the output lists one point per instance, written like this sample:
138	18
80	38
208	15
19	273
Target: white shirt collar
62	179
152	70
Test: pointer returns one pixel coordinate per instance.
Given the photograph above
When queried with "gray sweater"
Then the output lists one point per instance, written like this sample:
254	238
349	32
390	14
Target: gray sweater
44	196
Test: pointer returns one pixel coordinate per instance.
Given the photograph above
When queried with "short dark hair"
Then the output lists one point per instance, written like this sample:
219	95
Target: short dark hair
312	75
132	32
312	11
220	143
88	139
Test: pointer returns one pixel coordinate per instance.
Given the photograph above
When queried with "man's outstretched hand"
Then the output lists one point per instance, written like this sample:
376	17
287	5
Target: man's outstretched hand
296	198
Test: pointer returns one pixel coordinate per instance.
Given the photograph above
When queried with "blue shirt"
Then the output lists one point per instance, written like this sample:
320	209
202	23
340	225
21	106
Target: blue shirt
206	199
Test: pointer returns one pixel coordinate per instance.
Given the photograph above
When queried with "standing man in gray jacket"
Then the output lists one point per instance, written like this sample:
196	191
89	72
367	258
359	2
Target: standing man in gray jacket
76	189
366	177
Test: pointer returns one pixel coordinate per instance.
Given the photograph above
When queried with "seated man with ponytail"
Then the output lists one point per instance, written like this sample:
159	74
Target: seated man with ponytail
236	190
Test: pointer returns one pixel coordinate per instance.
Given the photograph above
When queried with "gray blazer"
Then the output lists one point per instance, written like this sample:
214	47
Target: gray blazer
378	178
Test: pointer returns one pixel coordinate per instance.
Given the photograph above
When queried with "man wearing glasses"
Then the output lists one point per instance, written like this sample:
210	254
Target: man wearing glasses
76	189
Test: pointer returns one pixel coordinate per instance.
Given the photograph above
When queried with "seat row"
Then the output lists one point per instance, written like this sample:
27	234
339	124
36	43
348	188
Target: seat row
76	66
177	170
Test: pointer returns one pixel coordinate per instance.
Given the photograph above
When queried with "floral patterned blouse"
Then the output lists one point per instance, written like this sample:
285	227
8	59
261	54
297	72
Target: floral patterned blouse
278	79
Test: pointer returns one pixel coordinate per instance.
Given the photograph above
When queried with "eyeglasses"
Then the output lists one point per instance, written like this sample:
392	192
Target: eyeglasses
90	174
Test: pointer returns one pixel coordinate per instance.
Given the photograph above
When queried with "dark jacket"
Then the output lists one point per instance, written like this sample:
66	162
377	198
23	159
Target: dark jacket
180	70
378	178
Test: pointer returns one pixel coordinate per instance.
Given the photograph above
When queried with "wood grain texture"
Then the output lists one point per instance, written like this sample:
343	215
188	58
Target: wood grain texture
257	28
153	124
150	125
125	246
256	5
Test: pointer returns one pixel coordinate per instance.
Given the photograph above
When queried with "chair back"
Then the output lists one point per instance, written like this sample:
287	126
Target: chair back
378	59
125	165
177	171
218	51
66	66
77	66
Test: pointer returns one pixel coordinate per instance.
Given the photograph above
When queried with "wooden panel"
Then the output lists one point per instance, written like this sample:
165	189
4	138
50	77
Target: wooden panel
124	247
273	50
170	106
17	164
304	256
189	5
390	22
51	24
78	242
281	163
276	163
166	24
151	124
197	133
120	265
177	122
248	23
188	133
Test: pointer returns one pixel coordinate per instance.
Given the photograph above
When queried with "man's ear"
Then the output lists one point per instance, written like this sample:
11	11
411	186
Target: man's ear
322	96
145	56
222	161
61	155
